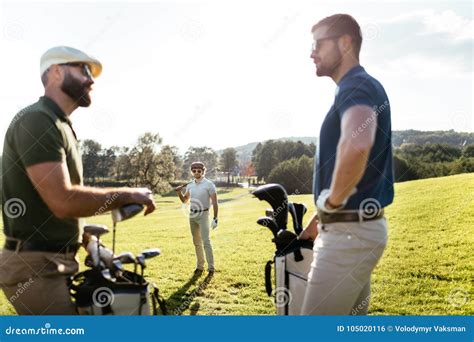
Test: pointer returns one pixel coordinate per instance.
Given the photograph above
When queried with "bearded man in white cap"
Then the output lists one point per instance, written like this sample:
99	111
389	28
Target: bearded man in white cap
43	196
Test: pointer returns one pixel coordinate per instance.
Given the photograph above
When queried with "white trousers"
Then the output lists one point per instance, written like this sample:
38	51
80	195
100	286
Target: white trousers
200	230
345	254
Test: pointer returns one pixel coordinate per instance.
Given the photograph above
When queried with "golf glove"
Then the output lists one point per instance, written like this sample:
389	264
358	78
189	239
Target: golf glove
214	223
323	197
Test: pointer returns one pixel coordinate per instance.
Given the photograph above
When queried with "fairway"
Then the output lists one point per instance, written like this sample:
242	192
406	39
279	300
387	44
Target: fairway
427	268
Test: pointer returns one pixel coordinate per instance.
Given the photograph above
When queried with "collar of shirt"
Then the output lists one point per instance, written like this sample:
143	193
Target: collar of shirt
351	72
55	108
58	111
348	74
196	181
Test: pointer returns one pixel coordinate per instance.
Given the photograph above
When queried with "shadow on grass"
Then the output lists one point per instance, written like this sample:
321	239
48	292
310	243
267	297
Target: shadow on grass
181	300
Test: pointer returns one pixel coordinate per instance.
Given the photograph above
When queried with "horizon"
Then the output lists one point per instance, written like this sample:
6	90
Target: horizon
181	69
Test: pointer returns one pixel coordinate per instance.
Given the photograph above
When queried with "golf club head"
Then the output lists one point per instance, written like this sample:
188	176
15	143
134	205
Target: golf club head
285	239
151	253
268	223
125	212
300	210
107	275
96	230
297	211
88	261
141	260
117	265
126	258
277	197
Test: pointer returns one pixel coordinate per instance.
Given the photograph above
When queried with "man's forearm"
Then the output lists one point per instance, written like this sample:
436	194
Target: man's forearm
215	207
351	162
181	196
82	201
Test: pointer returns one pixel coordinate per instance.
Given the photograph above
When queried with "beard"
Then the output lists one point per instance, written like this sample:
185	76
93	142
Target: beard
76	90
334	60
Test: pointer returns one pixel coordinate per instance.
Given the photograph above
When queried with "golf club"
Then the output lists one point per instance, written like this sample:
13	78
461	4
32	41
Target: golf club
117	268
107	275
269	223
126	258
96	230
140	261
146	254
276	195
121	214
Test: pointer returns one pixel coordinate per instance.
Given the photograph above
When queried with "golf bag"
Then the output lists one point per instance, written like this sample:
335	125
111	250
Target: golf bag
129	295
293	257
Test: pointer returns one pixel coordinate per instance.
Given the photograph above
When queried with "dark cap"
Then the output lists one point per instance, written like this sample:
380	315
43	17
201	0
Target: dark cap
197	165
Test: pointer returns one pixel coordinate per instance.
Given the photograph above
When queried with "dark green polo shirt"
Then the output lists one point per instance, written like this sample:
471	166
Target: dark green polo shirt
39	133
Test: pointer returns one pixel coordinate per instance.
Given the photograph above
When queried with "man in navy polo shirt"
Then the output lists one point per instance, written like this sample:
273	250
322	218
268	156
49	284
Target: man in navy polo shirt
353	179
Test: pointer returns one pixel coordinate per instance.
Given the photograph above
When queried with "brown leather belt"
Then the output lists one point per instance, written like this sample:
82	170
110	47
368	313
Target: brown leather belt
32	246
342	216
194	211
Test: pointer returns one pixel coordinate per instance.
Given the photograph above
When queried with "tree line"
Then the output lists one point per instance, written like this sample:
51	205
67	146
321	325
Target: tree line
291	164
153	164
149	163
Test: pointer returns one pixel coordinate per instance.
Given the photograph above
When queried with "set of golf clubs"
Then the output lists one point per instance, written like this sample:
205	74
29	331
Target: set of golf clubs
113	268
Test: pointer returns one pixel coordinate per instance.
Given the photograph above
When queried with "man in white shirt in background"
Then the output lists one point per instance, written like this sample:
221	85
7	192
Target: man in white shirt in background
202	193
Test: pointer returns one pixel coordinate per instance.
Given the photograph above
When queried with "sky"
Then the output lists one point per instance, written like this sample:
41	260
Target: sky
226	73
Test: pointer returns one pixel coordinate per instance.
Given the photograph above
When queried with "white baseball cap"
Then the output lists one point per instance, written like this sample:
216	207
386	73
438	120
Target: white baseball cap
66	54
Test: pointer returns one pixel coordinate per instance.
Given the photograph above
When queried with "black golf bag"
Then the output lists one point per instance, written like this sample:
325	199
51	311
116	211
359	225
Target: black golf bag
130	294
292	257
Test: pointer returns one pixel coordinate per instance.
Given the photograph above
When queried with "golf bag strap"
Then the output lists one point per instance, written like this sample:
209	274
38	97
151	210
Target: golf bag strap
268	277
154	300
298	255
157	301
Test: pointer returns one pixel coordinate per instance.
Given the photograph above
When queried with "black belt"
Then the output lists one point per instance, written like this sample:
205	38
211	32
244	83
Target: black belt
199	211
32	246
361	216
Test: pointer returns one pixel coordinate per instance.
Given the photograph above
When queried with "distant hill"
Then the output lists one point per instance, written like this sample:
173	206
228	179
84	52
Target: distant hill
398	138
432	137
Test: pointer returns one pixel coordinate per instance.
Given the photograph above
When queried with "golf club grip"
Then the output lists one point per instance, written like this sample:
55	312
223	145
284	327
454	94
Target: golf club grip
268	277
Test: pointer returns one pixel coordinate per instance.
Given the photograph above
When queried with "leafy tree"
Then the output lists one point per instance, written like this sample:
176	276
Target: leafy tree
268	155
468	151
90	159
151	167
295	175
228	161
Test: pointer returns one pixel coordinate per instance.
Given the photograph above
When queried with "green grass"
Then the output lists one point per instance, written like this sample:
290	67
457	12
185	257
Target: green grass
427	268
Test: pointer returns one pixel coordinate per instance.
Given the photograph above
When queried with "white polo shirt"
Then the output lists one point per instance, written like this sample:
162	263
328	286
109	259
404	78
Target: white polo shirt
200	193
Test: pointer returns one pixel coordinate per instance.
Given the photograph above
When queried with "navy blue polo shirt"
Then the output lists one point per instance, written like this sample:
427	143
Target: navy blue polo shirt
357	87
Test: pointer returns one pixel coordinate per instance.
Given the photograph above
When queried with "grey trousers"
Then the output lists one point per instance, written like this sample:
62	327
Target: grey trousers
199	224
35	283
345	254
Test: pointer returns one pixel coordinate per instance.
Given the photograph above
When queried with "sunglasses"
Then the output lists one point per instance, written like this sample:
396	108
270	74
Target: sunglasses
317	43
196	170
85	69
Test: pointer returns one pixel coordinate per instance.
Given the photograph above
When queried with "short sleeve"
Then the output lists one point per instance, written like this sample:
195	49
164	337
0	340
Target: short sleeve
357	94
37	140
212	189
